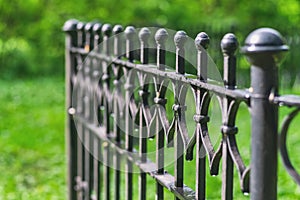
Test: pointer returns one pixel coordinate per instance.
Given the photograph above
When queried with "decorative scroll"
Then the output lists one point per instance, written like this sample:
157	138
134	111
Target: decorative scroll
119	102
283	148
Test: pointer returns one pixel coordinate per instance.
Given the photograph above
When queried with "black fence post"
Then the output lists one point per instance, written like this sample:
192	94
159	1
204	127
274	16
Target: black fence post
130	34
71	139
89	178
161	37
263	48
180	39
201	42
229	45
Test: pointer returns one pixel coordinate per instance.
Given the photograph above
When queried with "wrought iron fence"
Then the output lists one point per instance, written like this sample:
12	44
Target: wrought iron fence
113	110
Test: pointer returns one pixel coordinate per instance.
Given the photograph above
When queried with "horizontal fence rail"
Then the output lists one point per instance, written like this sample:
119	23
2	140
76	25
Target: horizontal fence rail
118	100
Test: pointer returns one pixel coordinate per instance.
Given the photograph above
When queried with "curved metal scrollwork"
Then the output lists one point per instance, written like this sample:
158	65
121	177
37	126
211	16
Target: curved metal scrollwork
233	147
123	88
283	147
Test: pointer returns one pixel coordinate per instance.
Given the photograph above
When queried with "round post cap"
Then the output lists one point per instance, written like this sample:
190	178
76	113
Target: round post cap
264	40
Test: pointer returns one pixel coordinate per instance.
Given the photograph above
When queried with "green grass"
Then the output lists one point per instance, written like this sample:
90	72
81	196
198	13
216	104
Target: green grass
32	154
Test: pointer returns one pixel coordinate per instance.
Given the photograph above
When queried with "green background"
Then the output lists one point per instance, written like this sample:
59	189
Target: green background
32	145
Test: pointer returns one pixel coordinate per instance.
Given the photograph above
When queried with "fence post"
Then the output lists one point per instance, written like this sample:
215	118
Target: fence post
263	49
71	137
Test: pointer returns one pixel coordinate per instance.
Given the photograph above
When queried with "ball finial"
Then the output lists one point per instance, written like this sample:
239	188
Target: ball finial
129	32
117	29
229	43
180	38
97	28
70	25
144	34
80	26
161	36
89	26
106	29
202	41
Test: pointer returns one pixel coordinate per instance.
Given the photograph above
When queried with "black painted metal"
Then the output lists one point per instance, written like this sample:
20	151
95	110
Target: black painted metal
160	101
103	80
262	49
71	136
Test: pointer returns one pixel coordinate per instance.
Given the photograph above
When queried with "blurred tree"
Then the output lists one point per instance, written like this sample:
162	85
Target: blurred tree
34	26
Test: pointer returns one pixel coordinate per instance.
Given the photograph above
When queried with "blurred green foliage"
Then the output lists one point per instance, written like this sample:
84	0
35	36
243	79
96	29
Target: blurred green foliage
32	43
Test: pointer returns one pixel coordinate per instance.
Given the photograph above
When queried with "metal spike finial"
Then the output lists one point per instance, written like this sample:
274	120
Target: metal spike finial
180	38
161	36
229	44
202	41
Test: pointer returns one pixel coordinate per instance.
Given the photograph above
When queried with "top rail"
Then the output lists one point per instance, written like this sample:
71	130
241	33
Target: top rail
111	97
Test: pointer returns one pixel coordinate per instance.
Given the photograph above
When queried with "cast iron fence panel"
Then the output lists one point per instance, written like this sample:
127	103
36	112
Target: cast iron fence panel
99	78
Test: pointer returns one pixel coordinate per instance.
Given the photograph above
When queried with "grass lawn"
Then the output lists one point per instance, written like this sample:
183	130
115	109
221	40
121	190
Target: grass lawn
32	153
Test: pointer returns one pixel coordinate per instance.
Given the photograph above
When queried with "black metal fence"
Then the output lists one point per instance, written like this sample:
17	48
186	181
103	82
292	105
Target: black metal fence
113	110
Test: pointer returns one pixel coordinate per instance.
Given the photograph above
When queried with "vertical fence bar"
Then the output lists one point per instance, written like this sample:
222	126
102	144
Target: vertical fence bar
106	31
160	37
89	35
87	111
201	42
90	136
129	34
97	31
81	184
71	134
229	44
117	52
96	142
263	48
144	35
179	40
